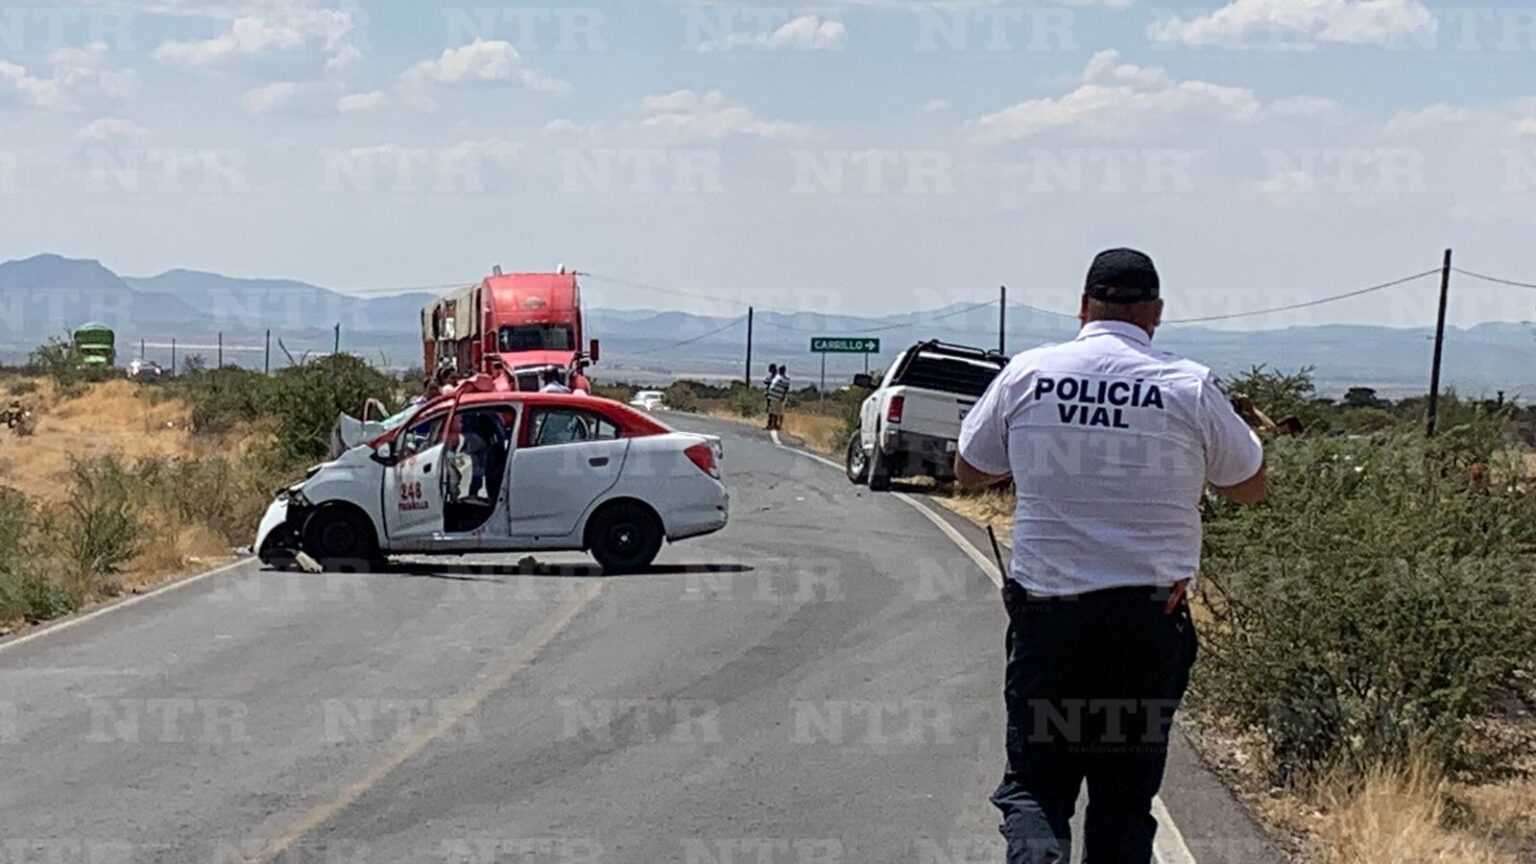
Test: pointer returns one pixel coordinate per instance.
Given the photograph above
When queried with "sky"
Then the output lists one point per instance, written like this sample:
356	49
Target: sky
851	156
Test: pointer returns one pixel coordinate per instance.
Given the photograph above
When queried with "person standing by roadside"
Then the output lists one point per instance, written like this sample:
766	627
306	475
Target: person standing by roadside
773	372
1110	444
778	395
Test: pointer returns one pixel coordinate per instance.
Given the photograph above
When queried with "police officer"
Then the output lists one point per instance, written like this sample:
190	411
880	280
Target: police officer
1110	443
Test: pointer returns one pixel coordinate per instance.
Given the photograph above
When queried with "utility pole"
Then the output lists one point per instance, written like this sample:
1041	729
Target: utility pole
1434	375
221	350
822	390
173	356
141	350
751	312
266	363
1002	320
336	348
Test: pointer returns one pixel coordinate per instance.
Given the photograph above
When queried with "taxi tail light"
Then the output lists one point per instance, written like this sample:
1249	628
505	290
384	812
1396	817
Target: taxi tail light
894	410
703	456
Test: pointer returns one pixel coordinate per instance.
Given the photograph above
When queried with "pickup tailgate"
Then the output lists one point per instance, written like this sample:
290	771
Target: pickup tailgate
928	412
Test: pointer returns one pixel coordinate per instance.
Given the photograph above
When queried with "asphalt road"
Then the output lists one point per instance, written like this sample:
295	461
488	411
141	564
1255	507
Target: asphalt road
818	683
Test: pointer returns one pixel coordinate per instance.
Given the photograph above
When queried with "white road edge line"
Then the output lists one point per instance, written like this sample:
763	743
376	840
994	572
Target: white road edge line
60	626
1169	846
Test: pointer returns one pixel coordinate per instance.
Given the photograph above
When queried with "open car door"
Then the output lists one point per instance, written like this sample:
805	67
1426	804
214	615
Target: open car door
413	484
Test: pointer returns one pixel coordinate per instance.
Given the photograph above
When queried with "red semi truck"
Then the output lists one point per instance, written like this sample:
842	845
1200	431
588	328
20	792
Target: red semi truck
517	324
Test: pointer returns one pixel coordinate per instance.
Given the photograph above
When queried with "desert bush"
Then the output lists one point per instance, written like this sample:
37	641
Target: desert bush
616	392
21	387
747	402
26	593
228	495
682	396
307	399
1382	603
98	529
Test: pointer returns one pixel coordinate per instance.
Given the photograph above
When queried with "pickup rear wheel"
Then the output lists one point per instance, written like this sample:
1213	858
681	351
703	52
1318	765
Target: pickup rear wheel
341	539
856	463
624	537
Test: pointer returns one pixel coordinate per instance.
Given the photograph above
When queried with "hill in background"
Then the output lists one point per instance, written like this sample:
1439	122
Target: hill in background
48	295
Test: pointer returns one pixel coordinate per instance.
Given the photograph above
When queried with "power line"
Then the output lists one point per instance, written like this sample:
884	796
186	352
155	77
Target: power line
1494	279
660	289
886	327
1310	303
1290	308
717	331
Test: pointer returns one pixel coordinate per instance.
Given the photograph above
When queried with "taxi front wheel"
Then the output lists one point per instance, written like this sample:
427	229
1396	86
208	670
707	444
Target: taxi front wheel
341	539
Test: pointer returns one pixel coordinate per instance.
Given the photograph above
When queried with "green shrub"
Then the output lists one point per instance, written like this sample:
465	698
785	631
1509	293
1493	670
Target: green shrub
21	387
227	495
1382	603
682	396
100	529
747	402
307	398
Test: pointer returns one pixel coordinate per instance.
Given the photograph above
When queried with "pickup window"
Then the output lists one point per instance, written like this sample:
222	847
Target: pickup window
947	374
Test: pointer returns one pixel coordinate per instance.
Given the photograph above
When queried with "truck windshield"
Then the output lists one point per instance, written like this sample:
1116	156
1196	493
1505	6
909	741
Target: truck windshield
537	337
948	374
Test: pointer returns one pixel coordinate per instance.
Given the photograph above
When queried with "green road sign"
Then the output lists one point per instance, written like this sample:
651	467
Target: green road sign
829	345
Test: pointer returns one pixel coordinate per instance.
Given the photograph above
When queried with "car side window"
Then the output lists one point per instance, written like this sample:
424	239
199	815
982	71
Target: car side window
553	427
421	436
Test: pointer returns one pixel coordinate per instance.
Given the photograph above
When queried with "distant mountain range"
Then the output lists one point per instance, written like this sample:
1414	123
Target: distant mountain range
49	295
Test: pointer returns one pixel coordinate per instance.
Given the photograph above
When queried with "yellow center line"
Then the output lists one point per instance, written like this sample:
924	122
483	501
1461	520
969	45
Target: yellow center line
461	708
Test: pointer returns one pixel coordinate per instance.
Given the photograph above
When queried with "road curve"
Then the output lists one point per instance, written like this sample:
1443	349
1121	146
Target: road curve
817	683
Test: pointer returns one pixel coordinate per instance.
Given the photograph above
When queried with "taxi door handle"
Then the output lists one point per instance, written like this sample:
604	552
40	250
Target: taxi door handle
426	469
598	461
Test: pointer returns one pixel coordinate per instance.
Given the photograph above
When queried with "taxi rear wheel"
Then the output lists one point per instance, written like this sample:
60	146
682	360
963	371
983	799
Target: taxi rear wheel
624	538
341	539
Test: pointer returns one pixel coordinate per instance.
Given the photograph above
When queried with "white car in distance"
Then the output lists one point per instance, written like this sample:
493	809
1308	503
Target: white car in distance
649	400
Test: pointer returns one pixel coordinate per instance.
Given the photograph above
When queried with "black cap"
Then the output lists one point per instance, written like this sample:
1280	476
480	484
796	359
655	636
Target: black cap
1123	276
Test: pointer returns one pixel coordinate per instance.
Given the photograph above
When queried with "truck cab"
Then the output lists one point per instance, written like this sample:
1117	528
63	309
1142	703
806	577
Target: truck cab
910	425
512	324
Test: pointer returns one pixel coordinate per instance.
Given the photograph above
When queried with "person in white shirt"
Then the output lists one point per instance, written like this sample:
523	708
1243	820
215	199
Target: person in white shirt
551	381
778	395
1110	444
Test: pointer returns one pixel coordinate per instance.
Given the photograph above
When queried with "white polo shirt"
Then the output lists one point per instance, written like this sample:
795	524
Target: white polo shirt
1110	443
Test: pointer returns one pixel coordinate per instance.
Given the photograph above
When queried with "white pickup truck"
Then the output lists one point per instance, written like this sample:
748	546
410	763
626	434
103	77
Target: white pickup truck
910	425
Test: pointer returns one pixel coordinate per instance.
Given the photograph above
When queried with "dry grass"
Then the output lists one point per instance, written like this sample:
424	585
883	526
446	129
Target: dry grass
1403	817
111	418
992	508
819	432
116	418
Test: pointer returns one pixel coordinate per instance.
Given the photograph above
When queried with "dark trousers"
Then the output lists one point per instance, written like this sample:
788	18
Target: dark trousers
1092	686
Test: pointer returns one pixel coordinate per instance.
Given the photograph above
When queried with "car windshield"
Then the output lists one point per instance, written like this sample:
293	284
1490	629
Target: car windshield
537	337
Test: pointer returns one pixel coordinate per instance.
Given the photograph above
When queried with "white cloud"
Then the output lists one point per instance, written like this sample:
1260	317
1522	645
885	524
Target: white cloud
1116	97
262	28
1355	22
109	129
1439	114
691	114
481	61
354	103
77	76
1525	128
270	97
805	33
565	126
934	106
1306	107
